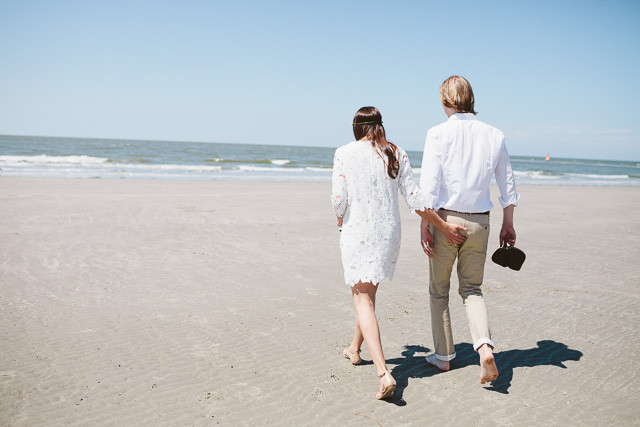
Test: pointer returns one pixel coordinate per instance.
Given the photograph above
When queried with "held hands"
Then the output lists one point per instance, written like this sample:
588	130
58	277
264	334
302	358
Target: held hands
339	221
507	235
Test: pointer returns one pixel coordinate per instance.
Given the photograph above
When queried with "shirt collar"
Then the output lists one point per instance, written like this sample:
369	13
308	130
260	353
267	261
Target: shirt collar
462	116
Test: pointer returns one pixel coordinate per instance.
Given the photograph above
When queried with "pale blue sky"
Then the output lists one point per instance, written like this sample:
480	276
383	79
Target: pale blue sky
555	76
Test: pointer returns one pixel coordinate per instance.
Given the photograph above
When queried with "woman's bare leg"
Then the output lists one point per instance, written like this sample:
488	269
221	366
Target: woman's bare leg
364	299
357	337
353	351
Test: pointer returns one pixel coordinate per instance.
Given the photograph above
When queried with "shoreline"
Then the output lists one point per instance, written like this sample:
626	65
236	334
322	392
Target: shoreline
283	181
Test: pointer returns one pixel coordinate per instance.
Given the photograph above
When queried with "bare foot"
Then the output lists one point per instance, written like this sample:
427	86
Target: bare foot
443	365
353	356
387	386
488	368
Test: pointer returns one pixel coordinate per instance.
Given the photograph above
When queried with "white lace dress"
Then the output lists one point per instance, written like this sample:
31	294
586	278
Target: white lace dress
367	198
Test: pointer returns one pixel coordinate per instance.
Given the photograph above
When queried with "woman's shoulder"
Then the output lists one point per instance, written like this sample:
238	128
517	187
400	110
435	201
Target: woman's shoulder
402	156
352	146
400	152
400	149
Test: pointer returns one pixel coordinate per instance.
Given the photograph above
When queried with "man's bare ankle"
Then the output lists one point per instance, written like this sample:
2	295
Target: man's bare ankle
488	368
485	350
443	365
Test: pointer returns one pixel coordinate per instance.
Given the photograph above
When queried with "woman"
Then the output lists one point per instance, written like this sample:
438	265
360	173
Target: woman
367	174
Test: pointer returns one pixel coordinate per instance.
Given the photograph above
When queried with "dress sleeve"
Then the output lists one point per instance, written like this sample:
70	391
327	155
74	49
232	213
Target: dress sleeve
339	196
408	187
505	180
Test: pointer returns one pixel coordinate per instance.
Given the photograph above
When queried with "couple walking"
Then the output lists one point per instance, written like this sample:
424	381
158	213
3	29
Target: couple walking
460	158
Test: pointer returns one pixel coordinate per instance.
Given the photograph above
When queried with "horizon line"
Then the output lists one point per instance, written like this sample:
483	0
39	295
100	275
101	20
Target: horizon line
271	145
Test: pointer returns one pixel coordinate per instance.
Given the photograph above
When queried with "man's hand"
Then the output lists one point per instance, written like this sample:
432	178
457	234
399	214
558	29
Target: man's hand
452	235
339	222
426	239
507	235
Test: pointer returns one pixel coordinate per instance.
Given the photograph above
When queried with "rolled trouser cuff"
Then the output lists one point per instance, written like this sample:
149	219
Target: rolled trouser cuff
482	341
445	358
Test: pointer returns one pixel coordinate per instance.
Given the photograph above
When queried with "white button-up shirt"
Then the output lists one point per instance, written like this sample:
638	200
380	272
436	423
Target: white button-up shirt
460	157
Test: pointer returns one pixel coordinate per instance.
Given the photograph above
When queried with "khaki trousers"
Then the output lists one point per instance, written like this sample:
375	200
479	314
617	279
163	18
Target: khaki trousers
471	257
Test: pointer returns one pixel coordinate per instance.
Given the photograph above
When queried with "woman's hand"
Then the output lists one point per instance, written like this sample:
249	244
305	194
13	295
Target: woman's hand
426	239
339	221
451	233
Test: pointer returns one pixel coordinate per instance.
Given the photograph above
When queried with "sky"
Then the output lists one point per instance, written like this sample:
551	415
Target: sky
558	77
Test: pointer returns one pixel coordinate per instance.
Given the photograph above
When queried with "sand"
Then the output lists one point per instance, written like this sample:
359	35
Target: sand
130	302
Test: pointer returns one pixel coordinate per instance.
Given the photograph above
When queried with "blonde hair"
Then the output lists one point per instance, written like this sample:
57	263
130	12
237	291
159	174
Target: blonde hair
456	92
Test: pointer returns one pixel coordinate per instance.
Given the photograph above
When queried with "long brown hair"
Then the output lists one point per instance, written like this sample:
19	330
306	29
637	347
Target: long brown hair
367	124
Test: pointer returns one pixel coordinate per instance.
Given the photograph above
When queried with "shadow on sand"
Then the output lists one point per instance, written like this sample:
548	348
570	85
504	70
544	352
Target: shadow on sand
413	365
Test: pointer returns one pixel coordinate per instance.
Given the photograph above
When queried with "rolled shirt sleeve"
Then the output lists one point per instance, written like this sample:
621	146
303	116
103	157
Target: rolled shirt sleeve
339	195
431	171
505	179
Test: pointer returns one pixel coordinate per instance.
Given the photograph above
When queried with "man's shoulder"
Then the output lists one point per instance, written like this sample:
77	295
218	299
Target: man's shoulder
488	128
446	131
438	128
436	133
453	124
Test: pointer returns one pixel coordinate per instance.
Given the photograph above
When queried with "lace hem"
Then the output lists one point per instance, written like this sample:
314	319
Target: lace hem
375	279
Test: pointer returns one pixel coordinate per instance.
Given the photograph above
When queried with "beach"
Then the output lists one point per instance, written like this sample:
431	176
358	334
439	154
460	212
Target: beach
139	302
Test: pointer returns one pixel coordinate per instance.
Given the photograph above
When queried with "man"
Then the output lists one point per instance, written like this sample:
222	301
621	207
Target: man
460	157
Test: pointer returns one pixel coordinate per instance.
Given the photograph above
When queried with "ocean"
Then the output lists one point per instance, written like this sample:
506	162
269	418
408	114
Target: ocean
130	159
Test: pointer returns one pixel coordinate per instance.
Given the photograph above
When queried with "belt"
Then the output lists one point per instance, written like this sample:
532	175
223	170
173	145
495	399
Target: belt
465	213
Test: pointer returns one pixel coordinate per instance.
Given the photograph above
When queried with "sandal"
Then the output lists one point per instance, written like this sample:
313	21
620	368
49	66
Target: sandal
387	386
353	357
